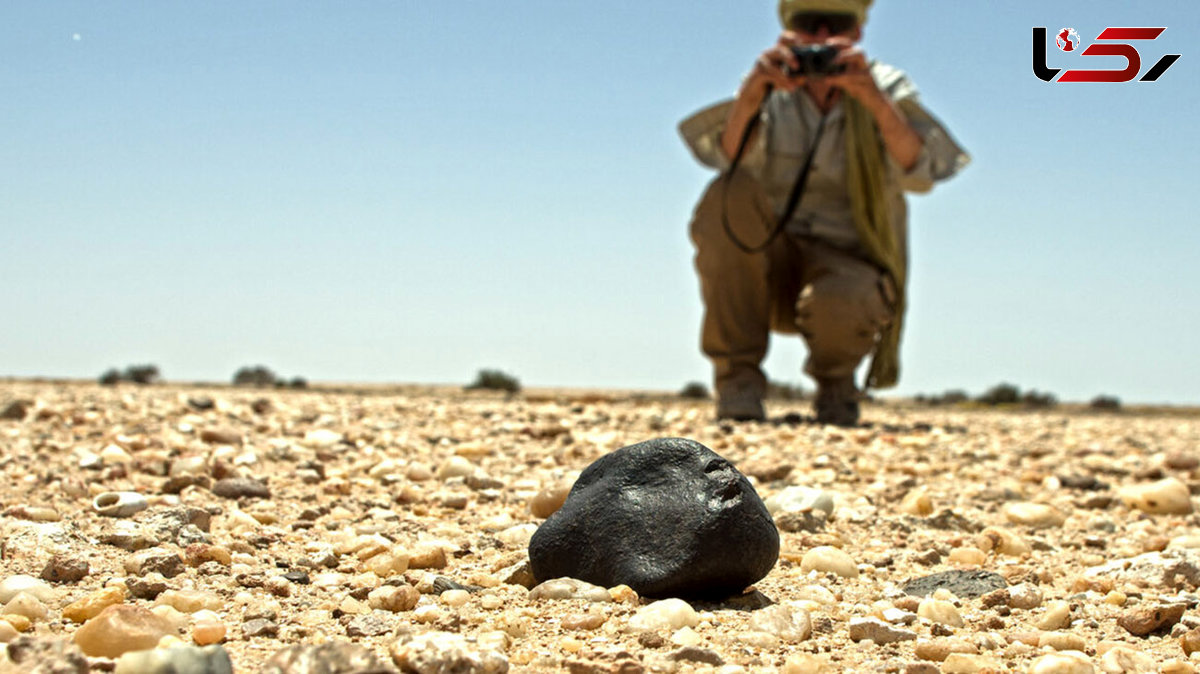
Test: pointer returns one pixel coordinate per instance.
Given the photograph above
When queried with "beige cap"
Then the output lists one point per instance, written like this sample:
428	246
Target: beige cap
856	7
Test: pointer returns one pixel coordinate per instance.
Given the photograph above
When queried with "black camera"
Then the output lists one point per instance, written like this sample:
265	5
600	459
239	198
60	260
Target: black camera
815	60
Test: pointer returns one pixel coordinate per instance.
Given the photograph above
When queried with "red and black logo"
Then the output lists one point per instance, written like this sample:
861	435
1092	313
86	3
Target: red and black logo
1110	42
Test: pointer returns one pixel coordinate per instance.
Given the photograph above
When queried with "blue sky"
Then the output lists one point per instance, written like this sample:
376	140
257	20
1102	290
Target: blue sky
411	191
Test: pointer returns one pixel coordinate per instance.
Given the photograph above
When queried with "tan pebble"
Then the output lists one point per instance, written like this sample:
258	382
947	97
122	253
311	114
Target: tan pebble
1141	622
119	629
1024	596
917	503
199	553
490	602
19	622
189	601
387	564
828	559
455	597
427	557
549	500
1190	641
940	611
583	621
968	556
27	605
1116	598
1125	659
623	594
1062	641
1177	667
1002	541
803	663
938	650
1167	496
1063	662
91	605
686	636
208	632
1056	617
394	598
7	632
966	663
1037	515
570	645
419	472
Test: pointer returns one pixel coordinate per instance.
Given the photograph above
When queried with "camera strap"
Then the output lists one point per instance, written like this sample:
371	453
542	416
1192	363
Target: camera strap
793	197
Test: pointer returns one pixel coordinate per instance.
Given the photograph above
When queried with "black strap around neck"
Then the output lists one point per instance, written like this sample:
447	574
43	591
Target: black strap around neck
793	197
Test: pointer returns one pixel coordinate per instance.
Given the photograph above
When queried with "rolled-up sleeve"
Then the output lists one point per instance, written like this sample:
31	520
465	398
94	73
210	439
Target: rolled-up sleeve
702	133
941	157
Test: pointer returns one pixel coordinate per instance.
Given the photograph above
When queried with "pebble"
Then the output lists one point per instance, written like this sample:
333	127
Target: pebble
27	605
1190	641
394	598
65	569
7	632
549	500
148	586
119	503
327	658
940	611
1056	617
14	585
1142	622
437	652
1024	597
583	621
120	629
1036	515
221	436
1002	541
1168	496
190	601
964	663
455	466
93	604
18	622
665	614
917	503
874	629
828	559
570	588
1121	659
962	583
938	650
800	499
208	629
787	623
1063	662
805	663
176	660
1061	641
260	627
241	487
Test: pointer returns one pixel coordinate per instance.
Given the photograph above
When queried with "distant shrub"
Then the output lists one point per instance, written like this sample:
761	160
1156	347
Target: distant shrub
495	380
694	390
254	375
1001	394
110	377
783	391
1039	400
1105	403
298	383
951	397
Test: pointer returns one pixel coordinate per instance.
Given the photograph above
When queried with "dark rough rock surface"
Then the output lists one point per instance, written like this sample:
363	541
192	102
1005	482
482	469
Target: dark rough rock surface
241	487
667	517
964	584
330	658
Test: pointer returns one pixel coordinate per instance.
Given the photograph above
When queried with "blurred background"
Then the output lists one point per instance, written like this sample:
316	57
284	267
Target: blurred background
411	191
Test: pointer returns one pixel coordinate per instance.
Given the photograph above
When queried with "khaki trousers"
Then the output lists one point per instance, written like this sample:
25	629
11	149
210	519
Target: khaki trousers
837	301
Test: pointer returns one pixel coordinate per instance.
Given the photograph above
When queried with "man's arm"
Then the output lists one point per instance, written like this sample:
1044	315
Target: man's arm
768	73
902	141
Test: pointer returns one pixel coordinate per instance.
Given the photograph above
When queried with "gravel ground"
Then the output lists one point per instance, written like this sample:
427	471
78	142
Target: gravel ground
383	516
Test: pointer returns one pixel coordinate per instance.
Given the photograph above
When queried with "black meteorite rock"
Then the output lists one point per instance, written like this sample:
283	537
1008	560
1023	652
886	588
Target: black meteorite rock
667	517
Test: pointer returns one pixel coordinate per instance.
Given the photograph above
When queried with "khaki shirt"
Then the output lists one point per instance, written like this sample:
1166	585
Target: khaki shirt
775	156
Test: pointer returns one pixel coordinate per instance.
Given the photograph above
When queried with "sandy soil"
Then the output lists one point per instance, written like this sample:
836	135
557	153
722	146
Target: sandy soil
446	480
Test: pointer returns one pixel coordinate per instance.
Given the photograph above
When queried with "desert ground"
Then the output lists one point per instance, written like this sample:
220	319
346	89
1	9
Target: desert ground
397	519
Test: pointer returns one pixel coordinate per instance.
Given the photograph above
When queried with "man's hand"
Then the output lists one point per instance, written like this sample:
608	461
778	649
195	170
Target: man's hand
855	79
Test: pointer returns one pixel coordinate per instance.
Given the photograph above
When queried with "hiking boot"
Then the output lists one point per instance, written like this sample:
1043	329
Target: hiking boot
740	404
837	402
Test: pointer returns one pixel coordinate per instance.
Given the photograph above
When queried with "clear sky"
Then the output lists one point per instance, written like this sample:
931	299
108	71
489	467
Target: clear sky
411	191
